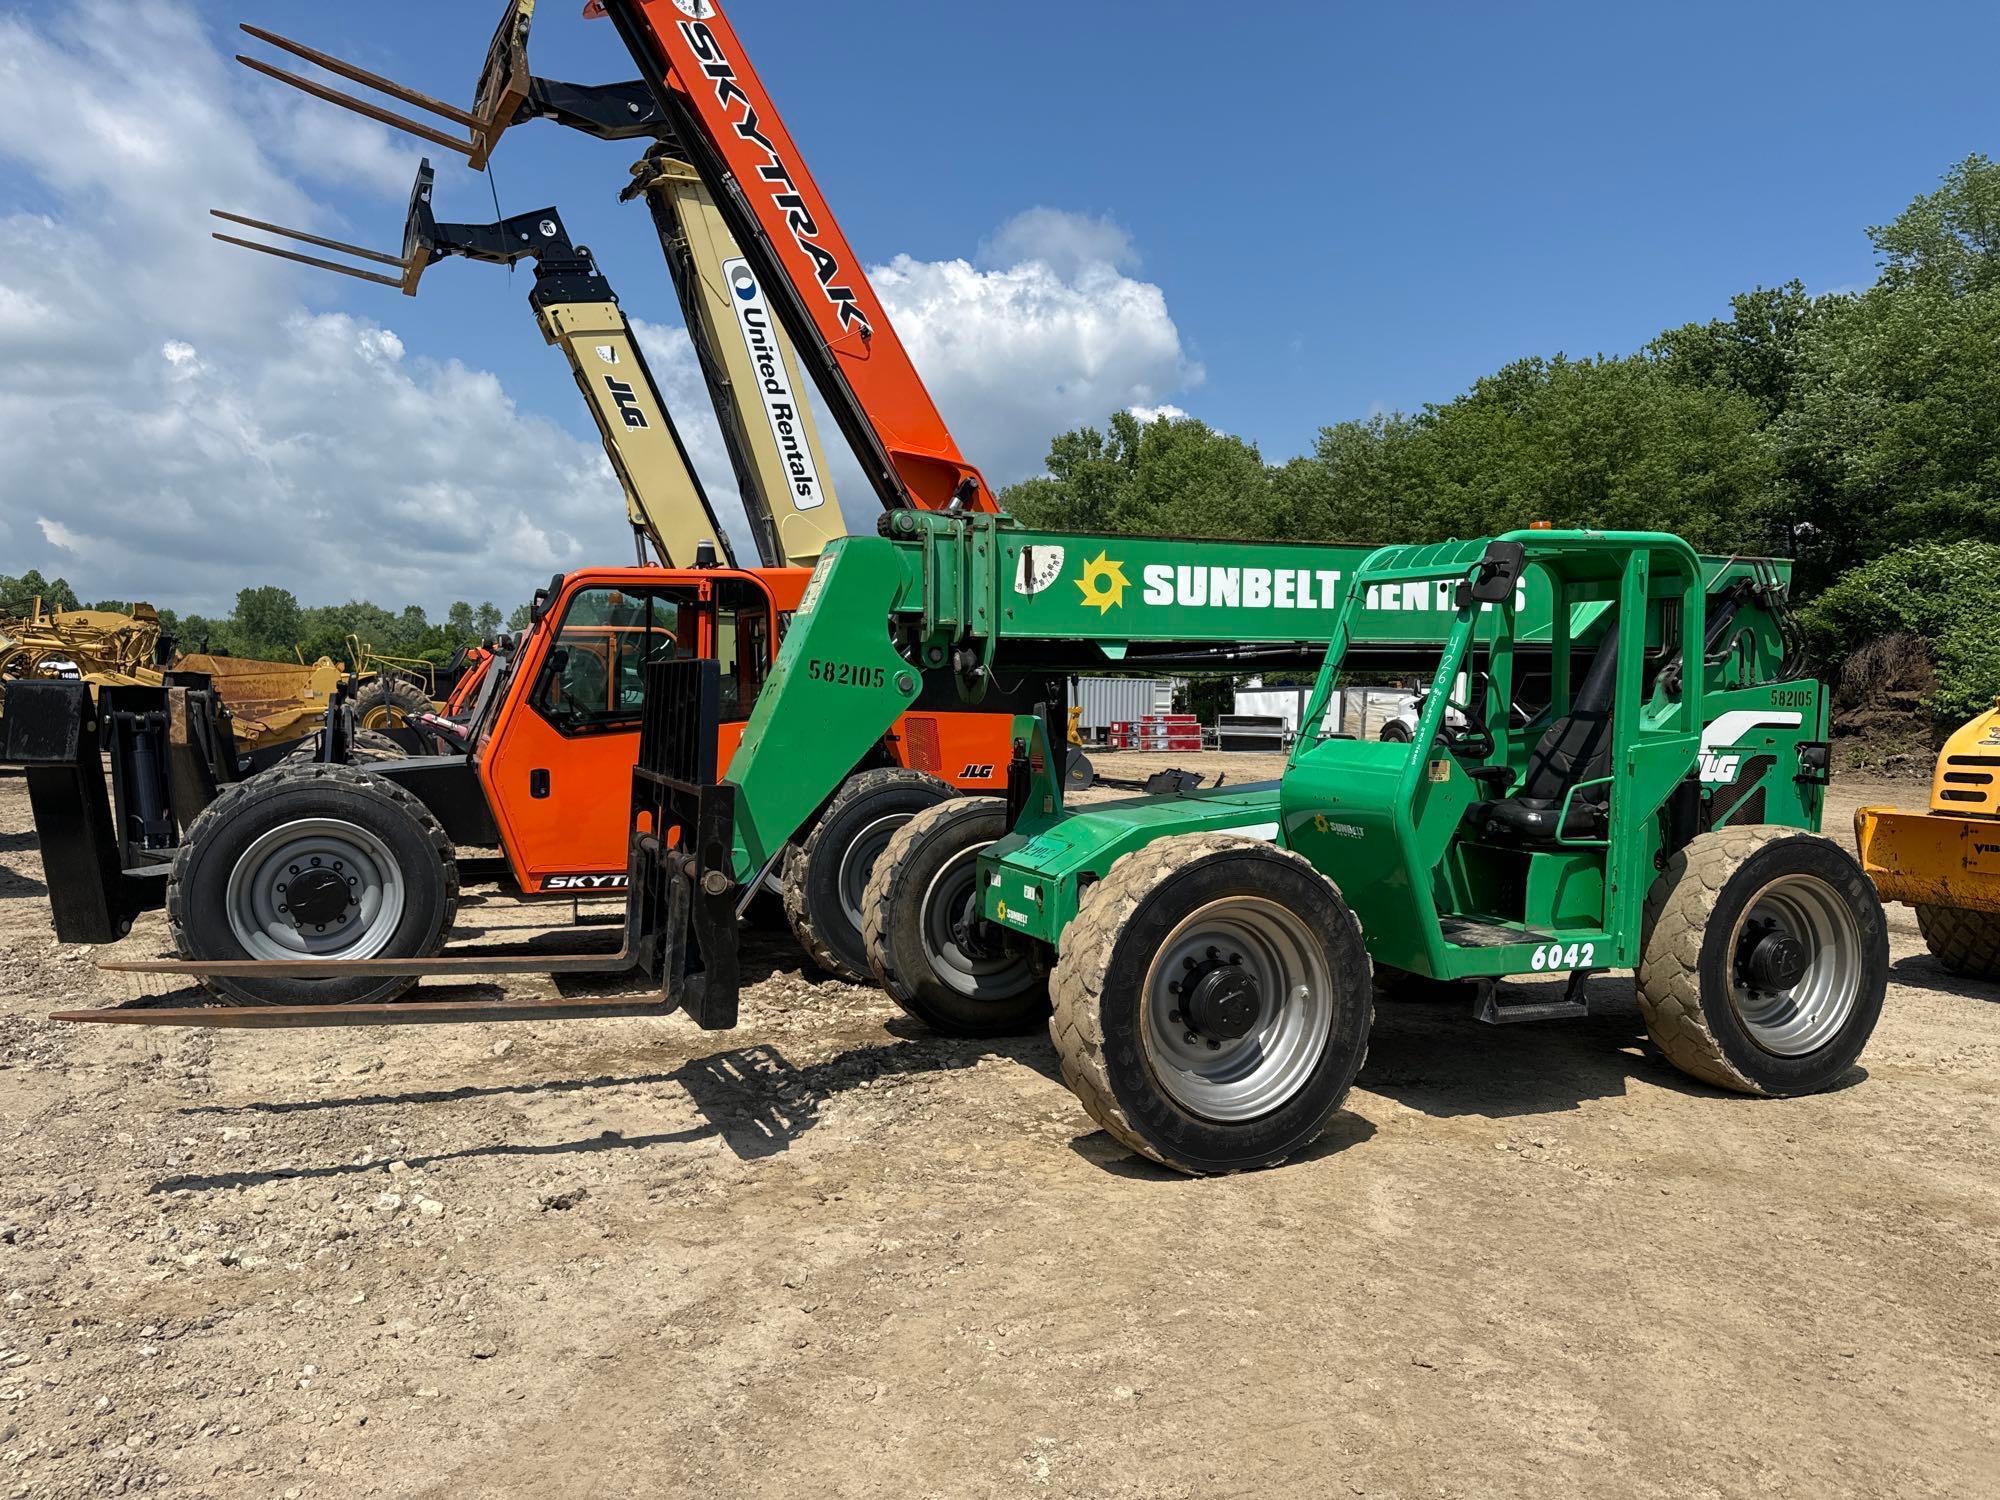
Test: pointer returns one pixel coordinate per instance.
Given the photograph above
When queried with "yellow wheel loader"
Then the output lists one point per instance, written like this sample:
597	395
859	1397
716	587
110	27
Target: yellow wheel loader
1945	862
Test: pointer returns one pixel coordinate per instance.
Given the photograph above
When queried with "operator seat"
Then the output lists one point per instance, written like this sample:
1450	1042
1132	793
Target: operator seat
1574	749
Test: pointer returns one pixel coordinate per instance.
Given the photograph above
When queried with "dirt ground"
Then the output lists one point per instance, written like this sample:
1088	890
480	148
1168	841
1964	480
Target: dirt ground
831	1255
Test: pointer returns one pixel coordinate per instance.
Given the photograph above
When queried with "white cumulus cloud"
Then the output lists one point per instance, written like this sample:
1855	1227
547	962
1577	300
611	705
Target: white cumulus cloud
178	422
1050	332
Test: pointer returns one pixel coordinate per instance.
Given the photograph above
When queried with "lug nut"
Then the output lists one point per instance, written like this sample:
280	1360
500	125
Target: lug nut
1192	1038
1173	1018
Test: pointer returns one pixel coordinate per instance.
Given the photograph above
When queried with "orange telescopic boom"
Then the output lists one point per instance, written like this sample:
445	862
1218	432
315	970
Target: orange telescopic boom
728	127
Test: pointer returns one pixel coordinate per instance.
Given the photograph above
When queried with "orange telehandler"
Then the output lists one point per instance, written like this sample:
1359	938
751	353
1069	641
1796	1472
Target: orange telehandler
557	723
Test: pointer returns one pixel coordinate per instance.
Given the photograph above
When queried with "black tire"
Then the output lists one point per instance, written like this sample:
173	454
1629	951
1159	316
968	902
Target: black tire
249	824
388	700
1966	942
957	977
1397	732
1697	983
826	877
364	747
1117	957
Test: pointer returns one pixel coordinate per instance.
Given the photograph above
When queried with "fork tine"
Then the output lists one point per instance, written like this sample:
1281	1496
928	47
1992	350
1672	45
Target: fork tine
310	239
374	81
359	106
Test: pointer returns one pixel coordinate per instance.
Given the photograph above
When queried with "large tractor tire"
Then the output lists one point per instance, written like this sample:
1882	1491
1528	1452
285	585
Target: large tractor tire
1396	732
317	862
367	745
1212	1003
826	878
1764	959
388	701
1964	941
926	944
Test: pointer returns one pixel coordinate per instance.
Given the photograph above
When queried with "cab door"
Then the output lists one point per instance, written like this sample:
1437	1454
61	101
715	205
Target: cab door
745	646
558	767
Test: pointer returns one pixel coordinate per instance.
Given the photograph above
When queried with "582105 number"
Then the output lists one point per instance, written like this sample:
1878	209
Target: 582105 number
846	673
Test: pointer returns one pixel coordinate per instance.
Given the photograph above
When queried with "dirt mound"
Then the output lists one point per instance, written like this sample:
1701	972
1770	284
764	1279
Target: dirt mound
1879	714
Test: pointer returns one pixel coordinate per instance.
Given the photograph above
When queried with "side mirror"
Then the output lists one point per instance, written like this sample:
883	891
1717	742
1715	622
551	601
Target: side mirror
539	605
1499	571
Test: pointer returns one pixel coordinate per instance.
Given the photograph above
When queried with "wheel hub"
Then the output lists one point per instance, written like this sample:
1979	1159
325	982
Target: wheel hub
1772	960
315	896
971	932
1221	1000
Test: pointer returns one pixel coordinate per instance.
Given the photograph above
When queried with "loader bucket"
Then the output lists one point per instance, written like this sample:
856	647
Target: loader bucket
1928	858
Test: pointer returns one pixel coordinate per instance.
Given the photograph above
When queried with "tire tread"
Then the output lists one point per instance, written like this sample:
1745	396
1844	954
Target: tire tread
271	782
1076	988
1965	941
1678	911
791	880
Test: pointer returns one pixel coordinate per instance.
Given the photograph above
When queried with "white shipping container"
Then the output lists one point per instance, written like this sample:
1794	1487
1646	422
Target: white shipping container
1119	700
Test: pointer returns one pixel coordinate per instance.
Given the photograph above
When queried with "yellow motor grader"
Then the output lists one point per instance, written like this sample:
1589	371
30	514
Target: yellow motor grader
1945	861
271	703
96	644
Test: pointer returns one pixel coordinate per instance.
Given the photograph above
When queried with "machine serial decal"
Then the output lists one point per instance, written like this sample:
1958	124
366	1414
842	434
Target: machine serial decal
777	177
1555	956
1724	732
845	674
774	383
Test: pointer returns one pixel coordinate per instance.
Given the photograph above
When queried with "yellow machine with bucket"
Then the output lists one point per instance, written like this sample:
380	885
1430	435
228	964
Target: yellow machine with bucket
1946	862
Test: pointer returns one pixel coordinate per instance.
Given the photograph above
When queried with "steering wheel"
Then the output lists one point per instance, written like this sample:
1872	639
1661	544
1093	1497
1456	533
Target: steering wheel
1468	739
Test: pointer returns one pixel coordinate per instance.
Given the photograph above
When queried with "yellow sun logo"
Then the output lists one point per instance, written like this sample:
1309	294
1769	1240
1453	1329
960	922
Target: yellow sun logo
1103	584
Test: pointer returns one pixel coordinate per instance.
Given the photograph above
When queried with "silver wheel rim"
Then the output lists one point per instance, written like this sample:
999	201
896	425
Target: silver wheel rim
1252	1075
857	862
259	914
970	974
1805	1017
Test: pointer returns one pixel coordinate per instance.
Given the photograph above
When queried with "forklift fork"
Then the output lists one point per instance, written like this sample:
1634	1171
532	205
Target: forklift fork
680	911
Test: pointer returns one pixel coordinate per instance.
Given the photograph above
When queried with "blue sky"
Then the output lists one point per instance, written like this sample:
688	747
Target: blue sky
1346	205
1272	216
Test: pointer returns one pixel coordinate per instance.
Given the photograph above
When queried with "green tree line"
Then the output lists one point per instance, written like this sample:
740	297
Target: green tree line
271	624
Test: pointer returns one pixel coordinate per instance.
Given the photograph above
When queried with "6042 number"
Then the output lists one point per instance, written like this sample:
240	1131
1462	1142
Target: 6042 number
1556	956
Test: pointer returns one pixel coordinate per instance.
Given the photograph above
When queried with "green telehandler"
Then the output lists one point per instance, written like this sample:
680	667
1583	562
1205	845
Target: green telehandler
1208	956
